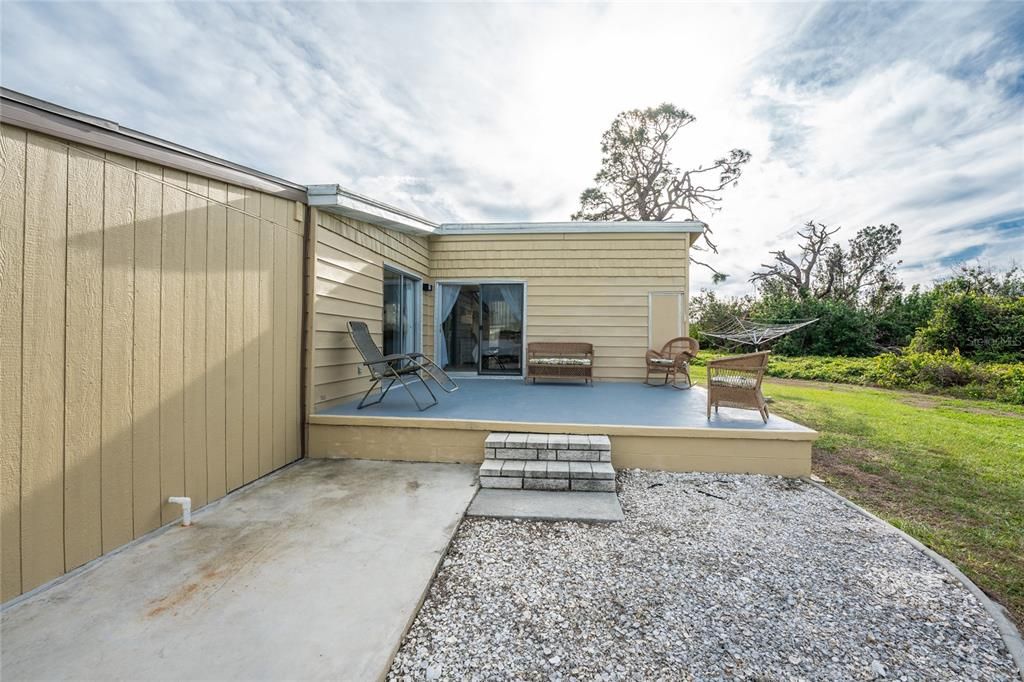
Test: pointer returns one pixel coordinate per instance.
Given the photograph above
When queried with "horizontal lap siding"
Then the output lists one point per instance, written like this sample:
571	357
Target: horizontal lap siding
349	286
128	348
580	287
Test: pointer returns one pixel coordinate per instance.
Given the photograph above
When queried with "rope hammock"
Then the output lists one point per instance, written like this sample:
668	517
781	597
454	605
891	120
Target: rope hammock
754	333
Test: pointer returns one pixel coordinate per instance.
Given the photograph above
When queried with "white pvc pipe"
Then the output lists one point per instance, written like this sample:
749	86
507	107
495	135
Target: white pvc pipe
186	508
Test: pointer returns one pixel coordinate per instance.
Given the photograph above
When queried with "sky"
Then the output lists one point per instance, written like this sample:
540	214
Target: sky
855	113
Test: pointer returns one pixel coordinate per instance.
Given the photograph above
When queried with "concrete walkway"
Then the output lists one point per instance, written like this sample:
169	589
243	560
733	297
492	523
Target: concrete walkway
545	505
312	573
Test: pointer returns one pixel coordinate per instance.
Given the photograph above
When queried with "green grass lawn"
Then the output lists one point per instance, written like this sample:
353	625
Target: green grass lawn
949	472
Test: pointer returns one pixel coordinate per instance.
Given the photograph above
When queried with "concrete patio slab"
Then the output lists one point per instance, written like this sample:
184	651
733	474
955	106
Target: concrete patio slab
544	505
312	573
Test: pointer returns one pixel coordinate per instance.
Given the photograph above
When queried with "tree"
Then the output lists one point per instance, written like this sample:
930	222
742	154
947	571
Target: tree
862	272
984	279
637	181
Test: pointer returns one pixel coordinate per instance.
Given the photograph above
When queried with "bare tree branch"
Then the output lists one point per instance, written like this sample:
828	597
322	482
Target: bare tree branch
637	181
826	270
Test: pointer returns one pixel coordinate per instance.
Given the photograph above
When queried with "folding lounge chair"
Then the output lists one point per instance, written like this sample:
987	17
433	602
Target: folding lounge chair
397	368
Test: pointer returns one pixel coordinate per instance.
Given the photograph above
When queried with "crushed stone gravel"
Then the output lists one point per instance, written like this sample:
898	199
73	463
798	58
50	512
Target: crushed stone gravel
709	577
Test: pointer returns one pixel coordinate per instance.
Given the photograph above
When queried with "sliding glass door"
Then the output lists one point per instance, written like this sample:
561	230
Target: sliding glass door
501	328
481	327
402	317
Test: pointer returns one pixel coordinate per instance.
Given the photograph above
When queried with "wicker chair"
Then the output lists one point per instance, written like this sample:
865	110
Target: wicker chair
672	360
736	382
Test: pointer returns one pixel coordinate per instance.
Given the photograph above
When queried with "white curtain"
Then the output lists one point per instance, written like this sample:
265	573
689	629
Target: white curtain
512	294
449	295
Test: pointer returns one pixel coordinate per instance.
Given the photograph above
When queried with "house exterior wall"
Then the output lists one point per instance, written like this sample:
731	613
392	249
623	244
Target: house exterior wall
349	285
592	288
151	325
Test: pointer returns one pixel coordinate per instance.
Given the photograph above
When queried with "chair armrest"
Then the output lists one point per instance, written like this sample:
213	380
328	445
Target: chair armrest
389	358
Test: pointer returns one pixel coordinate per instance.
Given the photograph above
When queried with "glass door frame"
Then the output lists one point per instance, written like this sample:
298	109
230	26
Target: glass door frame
438	283
417	325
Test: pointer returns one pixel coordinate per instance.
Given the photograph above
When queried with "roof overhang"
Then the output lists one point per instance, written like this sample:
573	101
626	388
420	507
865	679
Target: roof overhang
39	116
343	202
584	227
340	201
34	114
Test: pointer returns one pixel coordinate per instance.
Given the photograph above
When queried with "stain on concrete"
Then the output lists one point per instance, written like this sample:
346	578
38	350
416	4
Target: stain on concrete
172	601
268	560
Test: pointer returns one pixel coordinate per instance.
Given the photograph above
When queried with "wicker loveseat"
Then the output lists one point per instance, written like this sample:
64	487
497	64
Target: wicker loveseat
559	360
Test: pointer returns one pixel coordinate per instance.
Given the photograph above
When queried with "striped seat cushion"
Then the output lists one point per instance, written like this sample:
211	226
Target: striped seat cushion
733	381
555	362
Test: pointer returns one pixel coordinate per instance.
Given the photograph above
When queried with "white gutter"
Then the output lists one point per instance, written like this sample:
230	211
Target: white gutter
582	226
340	201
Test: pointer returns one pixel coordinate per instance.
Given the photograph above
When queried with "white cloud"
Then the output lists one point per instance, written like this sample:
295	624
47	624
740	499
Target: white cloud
855	113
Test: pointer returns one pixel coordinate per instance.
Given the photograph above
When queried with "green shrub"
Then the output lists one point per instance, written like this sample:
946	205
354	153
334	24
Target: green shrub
901	316
978	325
940	372
842	328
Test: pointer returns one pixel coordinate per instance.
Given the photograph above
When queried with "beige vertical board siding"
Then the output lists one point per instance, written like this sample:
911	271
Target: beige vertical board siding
234	340
130	303
83	347
172	343
216	283
251	334
195	339
118	332
349	285
266	336
12	243
146	501
42	463
282	319
580	287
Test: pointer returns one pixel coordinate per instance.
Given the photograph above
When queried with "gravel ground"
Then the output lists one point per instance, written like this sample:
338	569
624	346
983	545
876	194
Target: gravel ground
709	577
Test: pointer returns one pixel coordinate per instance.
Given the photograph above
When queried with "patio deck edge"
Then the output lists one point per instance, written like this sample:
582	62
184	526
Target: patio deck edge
782	453
801	434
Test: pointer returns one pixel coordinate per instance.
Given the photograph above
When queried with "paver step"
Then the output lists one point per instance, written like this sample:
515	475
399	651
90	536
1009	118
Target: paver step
548	446
540	461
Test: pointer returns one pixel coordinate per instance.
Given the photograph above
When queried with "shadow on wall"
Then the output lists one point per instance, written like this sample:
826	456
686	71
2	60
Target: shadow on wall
151	348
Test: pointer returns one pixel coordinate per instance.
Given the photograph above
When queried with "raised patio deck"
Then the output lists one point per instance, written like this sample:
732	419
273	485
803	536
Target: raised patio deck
650	427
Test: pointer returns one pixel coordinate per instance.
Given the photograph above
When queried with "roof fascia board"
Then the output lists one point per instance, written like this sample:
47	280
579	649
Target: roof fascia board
29	113
580	227
340	201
